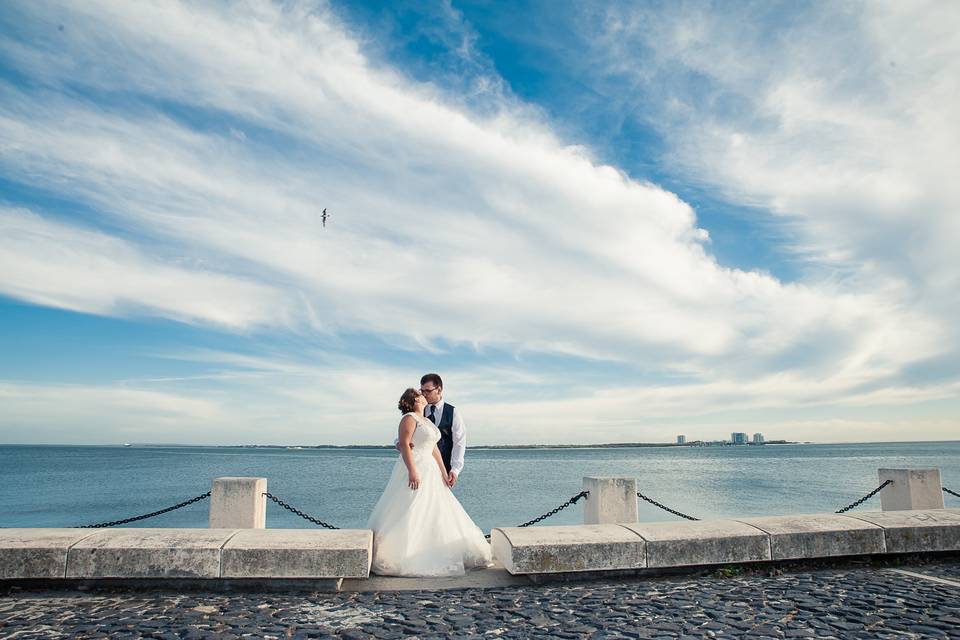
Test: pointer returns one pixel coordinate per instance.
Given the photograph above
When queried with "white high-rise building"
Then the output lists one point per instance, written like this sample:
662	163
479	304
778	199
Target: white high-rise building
758	438
681	439
738	438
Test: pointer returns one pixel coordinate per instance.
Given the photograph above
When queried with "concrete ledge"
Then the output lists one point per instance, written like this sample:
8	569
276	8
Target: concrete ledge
300	556
148	553
201	585
568	548
243	556
680	544
298	553
917	530
37	553
822	535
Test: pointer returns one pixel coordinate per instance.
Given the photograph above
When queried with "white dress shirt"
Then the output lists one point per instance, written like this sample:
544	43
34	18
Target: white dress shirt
458	433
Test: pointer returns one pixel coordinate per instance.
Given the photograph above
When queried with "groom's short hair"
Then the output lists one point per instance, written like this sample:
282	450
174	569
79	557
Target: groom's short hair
432	377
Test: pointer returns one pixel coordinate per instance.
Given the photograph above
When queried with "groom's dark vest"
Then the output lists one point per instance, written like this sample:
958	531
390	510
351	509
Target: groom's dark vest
446	432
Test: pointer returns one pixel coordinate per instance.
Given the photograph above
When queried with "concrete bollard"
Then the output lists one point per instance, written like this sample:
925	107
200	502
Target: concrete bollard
238	503
911	489
611	500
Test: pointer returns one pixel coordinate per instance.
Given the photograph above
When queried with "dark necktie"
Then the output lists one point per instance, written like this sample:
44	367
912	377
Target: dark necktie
433	414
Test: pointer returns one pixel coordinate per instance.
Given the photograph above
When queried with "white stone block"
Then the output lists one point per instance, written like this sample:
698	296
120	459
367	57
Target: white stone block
820	535
917	531
238	503
148	553
611	500
911	489
567	548
679	544
298	553
37	553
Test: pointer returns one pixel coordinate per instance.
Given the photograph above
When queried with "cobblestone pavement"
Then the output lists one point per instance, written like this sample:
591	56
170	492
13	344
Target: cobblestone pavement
948	571
867	602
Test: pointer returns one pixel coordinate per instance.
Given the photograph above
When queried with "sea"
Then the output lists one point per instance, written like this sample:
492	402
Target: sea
68	486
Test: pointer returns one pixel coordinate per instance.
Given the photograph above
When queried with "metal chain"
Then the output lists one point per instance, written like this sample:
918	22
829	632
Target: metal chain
573	500
953	493
665	508
283	504
865	498
147	515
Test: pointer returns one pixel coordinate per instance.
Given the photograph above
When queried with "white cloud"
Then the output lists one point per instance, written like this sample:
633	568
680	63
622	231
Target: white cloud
320	399
839	120
449	225
60	265
90	414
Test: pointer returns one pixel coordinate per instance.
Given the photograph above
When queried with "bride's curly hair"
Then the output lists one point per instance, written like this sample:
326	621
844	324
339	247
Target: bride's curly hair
408	401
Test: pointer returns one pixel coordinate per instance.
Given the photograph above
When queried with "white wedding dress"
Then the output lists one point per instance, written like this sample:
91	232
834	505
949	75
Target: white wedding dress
424	532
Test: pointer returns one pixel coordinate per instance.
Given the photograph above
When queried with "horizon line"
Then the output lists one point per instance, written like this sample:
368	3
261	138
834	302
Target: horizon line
478	446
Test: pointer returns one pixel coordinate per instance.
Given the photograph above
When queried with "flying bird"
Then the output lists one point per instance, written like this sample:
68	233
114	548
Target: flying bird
324	216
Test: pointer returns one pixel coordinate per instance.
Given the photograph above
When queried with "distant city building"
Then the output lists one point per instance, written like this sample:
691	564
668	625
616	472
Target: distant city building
681	439
738	438
758	438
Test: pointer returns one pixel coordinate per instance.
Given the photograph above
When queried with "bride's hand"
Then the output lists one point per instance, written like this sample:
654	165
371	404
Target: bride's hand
413	480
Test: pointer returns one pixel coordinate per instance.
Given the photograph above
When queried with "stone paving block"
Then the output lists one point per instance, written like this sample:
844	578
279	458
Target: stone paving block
530	550
298	553
148	553
678	544
37	553
917	530
820	535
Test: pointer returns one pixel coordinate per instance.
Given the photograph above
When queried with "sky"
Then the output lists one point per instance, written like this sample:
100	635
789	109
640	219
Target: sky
599	222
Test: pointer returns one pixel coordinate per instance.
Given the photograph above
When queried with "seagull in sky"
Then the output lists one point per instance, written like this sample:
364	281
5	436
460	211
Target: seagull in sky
324	216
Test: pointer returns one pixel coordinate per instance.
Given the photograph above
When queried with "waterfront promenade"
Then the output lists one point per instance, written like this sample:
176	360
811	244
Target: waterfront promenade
895	598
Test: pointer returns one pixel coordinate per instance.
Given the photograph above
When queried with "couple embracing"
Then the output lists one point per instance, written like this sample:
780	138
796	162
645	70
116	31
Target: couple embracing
419	526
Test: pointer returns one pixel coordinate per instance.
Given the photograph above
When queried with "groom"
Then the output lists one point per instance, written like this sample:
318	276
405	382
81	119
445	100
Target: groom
453	437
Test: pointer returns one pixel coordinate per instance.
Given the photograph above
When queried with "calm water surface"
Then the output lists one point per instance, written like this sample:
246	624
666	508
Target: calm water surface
63	486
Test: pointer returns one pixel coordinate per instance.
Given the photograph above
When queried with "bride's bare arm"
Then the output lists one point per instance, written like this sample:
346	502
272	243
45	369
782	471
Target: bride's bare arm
407	426
439	459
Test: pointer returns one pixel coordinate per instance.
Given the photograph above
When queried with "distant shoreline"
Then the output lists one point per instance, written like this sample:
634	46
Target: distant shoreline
609	445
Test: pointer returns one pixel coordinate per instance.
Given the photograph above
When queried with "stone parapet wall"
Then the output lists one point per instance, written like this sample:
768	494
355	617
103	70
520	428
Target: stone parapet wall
47	554
544	550
288	554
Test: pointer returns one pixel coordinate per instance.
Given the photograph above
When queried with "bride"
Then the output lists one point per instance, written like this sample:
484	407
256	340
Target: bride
419	527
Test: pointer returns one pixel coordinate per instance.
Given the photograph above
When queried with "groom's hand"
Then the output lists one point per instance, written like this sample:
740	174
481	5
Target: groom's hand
453	479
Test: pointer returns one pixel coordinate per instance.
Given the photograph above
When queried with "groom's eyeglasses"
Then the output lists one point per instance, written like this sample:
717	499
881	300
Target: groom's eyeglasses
425	390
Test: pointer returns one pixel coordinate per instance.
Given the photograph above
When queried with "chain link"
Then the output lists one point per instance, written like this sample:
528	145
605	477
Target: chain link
283	504
147	515
865	498
552	512
953	493
665	508
573	500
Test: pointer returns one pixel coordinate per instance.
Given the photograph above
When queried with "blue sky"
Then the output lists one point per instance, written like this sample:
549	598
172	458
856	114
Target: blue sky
600	222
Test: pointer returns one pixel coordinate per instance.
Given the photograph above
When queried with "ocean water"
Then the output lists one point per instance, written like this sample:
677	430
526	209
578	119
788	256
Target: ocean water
64	486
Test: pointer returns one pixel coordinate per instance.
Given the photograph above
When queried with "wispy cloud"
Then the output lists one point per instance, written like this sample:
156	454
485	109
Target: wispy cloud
61	265
201	141
838	120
